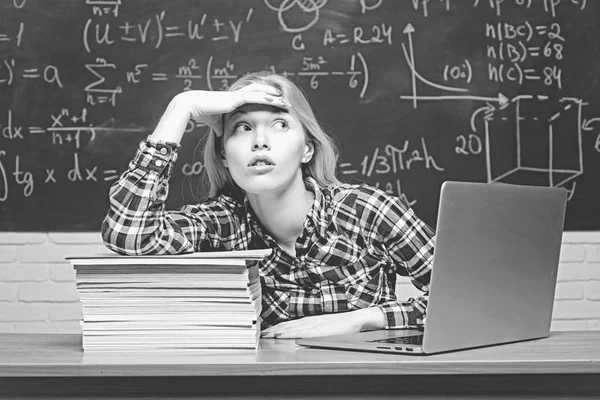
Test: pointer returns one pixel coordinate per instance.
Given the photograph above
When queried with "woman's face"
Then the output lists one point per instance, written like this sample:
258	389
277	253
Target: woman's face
264	147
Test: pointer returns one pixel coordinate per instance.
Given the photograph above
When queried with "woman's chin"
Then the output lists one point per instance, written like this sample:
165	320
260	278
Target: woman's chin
260	185
269	183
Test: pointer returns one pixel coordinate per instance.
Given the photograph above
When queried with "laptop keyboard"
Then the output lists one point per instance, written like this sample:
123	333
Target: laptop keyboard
414	339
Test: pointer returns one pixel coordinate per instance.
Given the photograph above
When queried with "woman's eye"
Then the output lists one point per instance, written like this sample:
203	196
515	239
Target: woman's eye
281	124
241	127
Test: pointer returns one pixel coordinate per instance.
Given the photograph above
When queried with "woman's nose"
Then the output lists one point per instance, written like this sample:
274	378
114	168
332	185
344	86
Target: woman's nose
261	141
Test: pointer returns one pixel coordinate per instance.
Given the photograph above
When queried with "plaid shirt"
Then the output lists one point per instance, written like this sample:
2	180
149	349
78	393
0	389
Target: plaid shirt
356	238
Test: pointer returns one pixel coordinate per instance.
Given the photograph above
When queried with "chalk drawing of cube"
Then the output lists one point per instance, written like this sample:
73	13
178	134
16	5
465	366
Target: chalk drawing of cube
532	142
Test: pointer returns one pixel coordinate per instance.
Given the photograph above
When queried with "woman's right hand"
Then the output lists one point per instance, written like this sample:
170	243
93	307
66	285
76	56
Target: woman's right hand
208	107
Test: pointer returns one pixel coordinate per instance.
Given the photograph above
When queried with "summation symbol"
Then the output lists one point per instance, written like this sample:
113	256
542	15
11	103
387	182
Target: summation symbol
96	94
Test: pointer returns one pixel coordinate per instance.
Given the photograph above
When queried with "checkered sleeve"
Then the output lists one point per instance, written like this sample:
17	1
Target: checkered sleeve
410	243
137	222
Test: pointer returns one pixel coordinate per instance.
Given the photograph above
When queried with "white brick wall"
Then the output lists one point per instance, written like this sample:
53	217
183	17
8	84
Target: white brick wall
37	285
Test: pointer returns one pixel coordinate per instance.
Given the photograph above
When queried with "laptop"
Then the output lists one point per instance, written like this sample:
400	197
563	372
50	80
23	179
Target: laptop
494	272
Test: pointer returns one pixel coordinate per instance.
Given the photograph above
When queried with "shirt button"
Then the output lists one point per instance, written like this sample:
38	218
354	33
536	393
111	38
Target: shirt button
164	151
158	163
315	291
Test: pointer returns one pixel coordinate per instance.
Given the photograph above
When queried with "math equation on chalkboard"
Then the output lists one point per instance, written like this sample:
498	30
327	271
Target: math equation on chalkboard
415	93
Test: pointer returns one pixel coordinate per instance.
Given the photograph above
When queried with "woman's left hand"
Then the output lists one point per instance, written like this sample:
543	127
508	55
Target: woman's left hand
327	324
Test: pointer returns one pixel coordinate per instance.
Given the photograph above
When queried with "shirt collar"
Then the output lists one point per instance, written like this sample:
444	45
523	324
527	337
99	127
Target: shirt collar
317	214
321	206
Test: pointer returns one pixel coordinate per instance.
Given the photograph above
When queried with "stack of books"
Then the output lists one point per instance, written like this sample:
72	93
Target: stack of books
199	301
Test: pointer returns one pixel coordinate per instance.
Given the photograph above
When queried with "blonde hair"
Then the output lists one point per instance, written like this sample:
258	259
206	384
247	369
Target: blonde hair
321	167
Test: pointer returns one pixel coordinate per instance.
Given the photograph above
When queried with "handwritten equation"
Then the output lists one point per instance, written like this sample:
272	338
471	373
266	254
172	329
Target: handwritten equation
218	77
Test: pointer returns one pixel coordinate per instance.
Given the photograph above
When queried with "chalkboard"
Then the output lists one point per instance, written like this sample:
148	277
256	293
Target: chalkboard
417	92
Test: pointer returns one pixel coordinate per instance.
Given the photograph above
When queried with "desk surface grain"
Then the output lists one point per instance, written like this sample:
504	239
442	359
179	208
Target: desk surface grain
60	355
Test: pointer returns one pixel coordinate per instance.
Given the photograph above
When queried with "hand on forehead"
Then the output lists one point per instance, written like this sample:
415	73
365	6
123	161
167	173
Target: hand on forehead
260	93
257	93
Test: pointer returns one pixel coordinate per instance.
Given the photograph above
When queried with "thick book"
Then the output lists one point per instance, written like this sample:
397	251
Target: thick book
195	301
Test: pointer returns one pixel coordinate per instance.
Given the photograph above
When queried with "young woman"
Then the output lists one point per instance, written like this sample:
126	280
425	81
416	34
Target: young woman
336	247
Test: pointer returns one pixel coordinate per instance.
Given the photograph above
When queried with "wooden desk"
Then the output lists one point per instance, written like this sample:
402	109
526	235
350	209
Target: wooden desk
565	365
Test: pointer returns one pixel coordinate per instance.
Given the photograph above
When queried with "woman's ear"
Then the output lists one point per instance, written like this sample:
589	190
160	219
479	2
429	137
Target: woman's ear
309	151
224	159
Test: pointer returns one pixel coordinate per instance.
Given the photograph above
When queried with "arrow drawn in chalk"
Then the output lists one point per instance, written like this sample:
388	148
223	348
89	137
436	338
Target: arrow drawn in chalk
410	60
587	122
488	108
